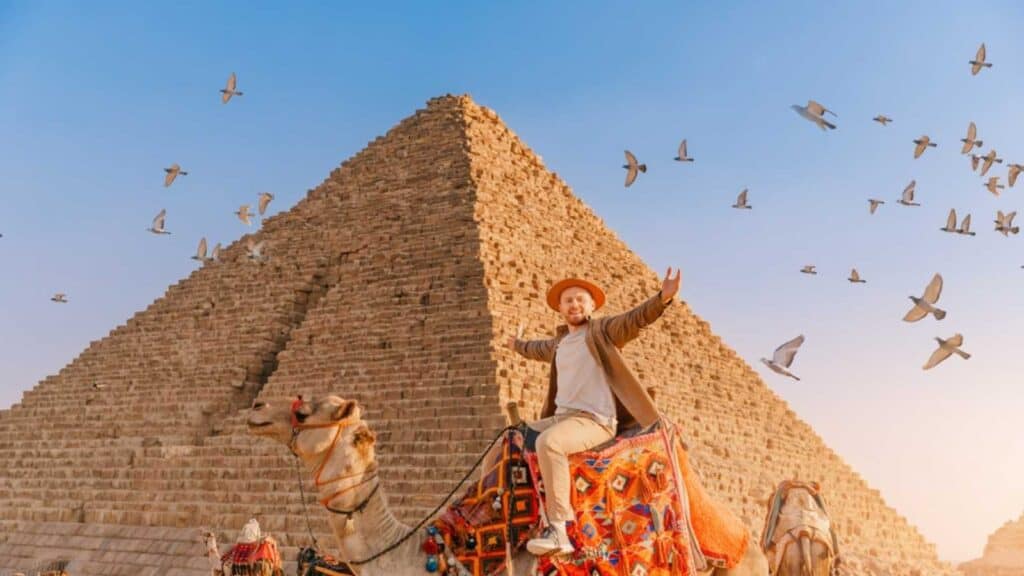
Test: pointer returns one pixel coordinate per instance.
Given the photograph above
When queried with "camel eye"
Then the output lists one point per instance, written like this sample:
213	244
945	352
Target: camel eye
258	405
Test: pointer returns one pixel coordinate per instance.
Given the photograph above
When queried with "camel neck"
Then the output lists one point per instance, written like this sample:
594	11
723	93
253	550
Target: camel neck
373	530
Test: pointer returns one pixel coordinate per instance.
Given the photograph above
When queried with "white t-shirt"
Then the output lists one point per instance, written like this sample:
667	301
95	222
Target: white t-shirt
582	384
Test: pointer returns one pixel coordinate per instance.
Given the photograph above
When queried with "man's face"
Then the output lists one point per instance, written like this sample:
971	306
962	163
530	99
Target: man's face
575	304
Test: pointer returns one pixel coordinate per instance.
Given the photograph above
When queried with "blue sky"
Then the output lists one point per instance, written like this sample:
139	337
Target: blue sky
97	99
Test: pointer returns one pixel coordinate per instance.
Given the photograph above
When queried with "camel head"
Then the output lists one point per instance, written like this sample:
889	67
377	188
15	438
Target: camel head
330	436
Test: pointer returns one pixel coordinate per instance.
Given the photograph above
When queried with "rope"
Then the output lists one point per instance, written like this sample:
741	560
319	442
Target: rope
440	505
414	529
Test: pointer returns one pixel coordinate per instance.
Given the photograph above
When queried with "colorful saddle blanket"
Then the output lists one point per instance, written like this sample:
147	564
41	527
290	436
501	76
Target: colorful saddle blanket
640	509
255	558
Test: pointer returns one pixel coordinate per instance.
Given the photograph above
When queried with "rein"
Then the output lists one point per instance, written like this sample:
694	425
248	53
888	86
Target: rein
298	427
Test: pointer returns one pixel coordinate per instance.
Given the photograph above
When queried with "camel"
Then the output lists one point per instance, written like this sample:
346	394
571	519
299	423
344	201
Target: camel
338	449
800	541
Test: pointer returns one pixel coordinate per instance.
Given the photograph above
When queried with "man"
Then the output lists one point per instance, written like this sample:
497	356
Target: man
591	391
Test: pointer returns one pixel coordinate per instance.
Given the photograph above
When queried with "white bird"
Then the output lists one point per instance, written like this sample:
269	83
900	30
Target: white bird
1015	170
254	249
965	226
1004	223
215	255
200	254
244	215
971	140
815	112
632	167
783	356
922	144
681	153
809	269
883	120
173	172
989	159
265	198
925	304
950	222
907	199
741	201
946	349
979	61
994	186
228	91
874	204
855	277
158	223
60	297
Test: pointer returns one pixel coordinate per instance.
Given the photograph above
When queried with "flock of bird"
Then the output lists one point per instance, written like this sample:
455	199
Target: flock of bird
814	112
924	305
243	213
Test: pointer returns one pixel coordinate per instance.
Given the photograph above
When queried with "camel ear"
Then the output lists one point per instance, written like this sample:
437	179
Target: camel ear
348	409
363	437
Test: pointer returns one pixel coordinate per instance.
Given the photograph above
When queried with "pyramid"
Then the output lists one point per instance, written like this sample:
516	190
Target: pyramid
1004	553
394	282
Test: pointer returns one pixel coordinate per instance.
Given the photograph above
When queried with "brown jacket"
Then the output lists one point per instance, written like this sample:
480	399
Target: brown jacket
605	336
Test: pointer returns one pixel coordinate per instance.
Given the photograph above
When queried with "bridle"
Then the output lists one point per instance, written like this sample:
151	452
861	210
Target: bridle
297	428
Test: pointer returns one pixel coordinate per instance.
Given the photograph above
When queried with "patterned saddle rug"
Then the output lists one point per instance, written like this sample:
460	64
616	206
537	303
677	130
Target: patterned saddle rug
260	558
639	510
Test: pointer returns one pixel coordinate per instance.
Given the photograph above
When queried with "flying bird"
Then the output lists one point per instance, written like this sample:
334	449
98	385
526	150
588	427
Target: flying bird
681	153
173	172
994	186
950	222
975	160
265	199
922	144
741	201
971	141
244	215
815	112
874	204
946	349
783	356
809	269
924	305
1015	170
632	167
254	249
855	277
60	298
989	159
200	254
965	226
979	61
1004	223
883	120
228	91
158	223
215	255
907	199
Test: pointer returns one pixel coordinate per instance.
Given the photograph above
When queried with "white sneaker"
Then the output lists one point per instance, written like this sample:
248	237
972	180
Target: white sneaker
553	541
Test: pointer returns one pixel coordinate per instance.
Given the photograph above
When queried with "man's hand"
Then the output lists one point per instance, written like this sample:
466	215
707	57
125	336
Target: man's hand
511	342
670	285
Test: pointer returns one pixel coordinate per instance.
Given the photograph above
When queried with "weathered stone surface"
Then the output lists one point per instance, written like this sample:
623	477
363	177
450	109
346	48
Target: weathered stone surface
1004	553
394	282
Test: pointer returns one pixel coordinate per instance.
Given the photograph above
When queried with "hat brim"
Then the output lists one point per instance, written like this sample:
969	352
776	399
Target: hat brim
555	292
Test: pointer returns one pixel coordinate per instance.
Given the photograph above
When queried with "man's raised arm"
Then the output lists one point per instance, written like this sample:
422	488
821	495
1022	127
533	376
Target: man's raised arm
543	350
624	327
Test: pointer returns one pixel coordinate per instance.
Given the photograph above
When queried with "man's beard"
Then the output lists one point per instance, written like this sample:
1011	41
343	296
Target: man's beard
578	323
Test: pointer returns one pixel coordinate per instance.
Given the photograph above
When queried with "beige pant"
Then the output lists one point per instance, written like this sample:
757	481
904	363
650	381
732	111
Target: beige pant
562	435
